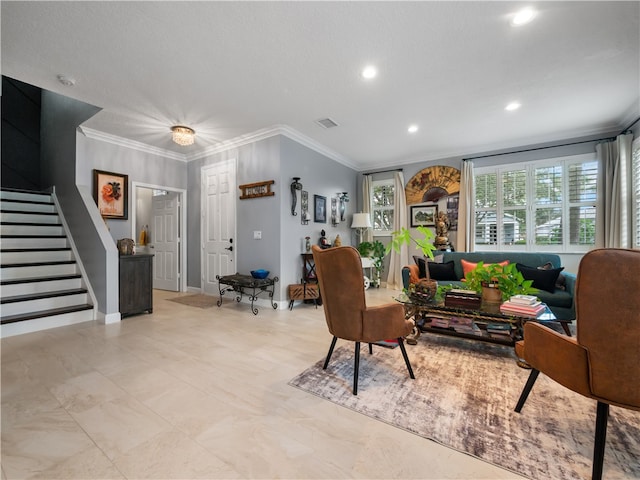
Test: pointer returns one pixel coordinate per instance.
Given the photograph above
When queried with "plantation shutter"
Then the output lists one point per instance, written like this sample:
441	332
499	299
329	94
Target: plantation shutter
635	158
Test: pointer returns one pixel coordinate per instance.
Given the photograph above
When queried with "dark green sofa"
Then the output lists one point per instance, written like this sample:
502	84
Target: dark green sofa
561	302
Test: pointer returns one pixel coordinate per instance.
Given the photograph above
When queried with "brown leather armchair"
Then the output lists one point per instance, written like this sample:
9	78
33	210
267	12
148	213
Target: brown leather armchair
339	272
603	361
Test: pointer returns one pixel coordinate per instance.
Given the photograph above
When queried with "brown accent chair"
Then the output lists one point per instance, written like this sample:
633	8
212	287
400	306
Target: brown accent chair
339	272
603	361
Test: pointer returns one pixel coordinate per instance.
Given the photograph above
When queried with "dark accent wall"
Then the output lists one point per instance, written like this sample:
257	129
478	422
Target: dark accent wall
20	135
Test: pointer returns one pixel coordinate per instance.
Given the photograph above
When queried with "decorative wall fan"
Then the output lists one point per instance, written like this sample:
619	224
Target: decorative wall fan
432	183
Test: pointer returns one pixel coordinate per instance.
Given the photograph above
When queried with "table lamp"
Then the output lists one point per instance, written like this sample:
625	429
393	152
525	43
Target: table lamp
361	221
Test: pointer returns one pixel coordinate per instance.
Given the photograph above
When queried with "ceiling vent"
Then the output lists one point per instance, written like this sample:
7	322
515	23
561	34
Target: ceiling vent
326	123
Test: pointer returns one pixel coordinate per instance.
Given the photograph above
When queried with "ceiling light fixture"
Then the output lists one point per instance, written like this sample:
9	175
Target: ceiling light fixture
523	16
412	128
182	135
512	106
369	72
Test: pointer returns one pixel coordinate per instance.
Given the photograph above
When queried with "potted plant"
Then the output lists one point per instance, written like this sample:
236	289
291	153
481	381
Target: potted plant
376	251
497	283
426	289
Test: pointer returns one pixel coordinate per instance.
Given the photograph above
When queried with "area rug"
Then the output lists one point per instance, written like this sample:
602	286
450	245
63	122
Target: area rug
463	397
197	300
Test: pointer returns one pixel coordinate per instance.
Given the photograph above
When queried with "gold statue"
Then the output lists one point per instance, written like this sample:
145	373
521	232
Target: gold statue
442	229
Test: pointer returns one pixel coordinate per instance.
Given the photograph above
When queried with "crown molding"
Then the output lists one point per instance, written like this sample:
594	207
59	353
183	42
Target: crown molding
236	142
269	132
135	145
318	147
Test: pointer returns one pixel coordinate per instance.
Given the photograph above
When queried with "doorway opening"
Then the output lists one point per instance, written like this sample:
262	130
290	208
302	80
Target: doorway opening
161	212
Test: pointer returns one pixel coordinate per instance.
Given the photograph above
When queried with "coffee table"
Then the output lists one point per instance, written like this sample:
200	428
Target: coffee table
246	285
485	324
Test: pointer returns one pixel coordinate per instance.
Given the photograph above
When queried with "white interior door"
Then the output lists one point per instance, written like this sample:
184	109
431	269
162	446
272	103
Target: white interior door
165	241
218	223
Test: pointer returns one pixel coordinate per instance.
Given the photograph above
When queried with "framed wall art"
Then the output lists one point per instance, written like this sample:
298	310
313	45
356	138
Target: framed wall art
424	215
319	209
111	194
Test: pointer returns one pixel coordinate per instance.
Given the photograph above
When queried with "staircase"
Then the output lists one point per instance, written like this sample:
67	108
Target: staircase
41	285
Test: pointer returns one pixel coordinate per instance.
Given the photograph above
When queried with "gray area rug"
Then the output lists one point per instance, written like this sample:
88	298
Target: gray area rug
463	397
197	300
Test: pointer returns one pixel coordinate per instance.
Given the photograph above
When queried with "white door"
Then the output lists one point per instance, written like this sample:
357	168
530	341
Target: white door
165	241
218	223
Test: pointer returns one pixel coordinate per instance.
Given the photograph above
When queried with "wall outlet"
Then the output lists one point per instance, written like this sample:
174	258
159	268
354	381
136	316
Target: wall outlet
257	235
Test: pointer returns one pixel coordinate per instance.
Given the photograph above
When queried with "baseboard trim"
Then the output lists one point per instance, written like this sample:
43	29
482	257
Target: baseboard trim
111	318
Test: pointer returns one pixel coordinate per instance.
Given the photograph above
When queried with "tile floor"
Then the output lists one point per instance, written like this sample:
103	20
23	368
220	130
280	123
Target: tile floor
197	393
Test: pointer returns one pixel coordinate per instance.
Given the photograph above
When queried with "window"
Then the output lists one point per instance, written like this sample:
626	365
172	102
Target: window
635	187
544	205
382	207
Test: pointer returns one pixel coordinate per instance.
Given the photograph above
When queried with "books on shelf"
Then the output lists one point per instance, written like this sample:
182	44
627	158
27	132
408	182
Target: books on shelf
437	321
501	330
533	310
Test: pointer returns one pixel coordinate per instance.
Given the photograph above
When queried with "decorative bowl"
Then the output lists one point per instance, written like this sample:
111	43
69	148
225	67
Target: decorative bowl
260	273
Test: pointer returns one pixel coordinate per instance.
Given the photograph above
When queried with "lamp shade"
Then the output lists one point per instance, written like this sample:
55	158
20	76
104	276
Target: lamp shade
361	220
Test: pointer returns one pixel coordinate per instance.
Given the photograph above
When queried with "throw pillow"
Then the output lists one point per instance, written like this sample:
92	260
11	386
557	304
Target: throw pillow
561	283
468	266
421	262
442	271
437	259
422	266
542	279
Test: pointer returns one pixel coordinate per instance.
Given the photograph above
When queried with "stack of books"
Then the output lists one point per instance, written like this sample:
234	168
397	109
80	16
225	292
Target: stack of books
500	330
460	298
464	325
438	322
523	306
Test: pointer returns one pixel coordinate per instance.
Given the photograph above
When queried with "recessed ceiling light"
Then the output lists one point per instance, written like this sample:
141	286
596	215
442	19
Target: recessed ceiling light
369	72
523	16
512	106
412	128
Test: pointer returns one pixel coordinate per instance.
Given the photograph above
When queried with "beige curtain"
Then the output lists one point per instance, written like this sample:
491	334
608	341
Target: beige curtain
398	260
466	221
367	195
615	214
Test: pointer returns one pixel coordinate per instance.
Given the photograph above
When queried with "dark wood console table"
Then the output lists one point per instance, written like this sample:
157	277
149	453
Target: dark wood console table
135	284
246	285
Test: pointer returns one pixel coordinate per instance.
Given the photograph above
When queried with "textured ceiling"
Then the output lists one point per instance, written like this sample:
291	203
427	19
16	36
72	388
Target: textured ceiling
228	69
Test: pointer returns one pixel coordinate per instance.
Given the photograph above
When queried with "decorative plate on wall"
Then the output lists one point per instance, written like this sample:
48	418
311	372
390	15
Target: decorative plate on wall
432	183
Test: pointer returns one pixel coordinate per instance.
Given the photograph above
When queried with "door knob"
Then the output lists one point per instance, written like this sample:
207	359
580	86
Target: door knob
229	248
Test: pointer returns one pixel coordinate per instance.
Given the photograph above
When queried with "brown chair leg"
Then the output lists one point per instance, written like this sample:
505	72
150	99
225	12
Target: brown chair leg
533	376
602	415
406	358
356	367
333	344
370	349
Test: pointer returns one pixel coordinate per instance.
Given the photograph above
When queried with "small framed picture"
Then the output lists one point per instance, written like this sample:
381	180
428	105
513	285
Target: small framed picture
319	209
111	193
424	215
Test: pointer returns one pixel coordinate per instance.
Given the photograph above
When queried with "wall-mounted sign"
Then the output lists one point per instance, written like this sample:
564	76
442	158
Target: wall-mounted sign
256	190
